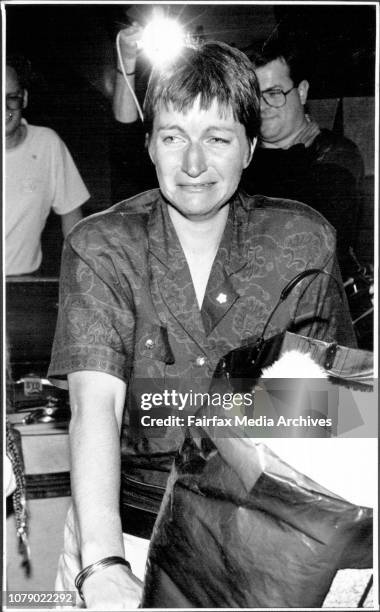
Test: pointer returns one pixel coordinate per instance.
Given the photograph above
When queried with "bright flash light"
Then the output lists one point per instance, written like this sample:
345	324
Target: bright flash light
162	40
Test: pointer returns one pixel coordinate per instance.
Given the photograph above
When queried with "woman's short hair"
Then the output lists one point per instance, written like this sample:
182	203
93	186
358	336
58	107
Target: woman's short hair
214	71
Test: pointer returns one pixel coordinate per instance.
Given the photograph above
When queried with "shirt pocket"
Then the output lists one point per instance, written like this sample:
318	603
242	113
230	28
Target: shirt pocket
152	342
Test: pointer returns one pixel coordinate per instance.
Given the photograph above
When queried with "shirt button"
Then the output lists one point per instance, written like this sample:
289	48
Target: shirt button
149	344
200	361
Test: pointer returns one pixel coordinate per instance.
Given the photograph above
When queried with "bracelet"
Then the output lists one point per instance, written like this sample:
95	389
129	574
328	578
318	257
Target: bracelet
127	73
94	567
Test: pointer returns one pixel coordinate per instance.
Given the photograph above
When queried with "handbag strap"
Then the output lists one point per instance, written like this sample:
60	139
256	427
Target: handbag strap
351	364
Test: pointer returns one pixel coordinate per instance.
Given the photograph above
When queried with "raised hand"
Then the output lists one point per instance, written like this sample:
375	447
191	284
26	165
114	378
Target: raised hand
129	39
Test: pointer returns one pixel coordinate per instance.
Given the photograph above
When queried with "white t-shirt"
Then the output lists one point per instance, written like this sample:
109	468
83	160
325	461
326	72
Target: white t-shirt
40	175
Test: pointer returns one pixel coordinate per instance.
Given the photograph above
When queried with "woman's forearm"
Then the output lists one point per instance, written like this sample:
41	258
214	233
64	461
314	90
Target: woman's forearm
97	406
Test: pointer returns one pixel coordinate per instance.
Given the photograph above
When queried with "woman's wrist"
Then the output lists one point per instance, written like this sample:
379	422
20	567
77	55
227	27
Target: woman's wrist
98	566
129	65
127	73
106	543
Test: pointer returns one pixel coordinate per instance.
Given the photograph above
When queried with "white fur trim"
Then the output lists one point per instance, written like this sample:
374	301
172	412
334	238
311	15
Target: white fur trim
293	364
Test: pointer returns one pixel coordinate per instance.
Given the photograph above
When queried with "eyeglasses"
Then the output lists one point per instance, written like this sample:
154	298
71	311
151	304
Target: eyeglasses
14	101
275	97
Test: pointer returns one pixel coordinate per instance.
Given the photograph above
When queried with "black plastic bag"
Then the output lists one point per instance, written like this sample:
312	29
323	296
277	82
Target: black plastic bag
221	541
240	528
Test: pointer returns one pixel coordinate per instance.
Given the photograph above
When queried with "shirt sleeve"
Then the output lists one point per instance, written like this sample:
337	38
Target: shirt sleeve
329	318
69	190
95	325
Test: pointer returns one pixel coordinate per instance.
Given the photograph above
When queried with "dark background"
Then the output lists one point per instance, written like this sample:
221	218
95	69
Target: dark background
75	41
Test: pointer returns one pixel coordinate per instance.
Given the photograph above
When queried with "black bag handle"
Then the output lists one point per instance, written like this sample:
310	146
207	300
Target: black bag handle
289	288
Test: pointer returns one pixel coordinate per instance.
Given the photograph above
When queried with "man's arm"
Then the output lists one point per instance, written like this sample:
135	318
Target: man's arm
97	402
124	106
69	219
131	169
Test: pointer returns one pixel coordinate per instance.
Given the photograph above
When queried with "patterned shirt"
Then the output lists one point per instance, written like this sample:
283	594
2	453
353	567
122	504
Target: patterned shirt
128	305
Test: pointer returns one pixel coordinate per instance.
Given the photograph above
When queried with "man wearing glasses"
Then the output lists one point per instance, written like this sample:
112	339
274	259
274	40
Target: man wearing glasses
40	175
296	159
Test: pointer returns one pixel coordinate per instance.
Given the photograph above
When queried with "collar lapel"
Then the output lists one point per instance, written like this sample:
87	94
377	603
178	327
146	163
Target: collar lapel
172	275
218	299
221	293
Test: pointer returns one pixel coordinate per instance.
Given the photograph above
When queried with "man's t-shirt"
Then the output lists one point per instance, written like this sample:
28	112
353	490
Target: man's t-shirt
40	175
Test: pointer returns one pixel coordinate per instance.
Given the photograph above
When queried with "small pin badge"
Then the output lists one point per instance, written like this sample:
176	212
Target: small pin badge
222	298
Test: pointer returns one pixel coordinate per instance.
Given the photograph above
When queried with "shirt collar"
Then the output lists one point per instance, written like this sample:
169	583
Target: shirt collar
232	252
